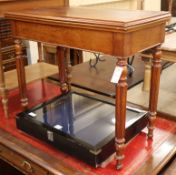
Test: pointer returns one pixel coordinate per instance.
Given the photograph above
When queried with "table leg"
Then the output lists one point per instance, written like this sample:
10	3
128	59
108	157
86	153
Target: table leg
3	90
154	89
40	52
62	69
21	73
121	98
68	68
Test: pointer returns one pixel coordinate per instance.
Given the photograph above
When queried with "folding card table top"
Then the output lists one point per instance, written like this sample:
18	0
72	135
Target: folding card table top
114	32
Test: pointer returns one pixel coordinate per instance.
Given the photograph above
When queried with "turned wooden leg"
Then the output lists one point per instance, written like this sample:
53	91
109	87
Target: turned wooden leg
121	96
3	90
21	73
154	89
76	56
62	69
40	52
68	69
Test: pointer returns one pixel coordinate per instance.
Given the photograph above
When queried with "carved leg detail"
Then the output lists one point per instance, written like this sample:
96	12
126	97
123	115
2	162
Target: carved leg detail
62	69
40	52
21	73
68	69
120	146
121	96
151	124
154	89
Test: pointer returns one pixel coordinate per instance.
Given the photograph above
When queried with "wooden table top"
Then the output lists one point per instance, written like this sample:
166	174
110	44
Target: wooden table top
100	18
115	32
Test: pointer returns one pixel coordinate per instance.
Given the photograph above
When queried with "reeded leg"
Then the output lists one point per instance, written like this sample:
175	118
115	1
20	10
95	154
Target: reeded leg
121	96
40	52
68	69
40	59
3	90
63	69
76	56
21	73
154	89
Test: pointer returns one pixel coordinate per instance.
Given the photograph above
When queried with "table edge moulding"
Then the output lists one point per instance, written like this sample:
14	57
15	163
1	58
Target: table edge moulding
116	32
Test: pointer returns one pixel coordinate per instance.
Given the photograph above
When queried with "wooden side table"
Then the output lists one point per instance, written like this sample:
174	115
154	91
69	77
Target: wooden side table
118	33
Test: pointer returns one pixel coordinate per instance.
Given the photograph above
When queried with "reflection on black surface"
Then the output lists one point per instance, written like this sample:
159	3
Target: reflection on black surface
60	115
85	119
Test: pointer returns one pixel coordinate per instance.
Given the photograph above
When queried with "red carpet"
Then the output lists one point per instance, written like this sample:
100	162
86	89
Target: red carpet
137	151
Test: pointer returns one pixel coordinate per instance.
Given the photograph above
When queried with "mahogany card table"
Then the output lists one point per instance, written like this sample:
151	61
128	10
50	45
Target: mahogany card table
109	31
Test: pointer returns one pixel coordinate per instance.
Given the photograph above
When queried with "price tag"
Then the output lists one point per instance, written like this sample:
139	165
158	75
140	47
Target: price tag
32	114
59	127
116	74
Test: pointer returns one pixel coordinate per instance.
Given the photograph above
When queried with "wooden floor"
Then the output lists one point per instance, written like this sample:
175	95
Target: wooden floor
146	157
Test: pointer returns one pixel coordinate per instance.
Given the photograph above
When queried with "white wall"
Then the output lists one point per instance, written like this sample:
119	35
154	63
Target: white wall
118	4
87	2
124	4
152	5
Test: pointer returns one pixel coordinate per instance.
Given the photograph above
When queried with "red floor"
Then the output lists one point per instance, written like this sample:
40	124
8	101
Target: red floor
136	153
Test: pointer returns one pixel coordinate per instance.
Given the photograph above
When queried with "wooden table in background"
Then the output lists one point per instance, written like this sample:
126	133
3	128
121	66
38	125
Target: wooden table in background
118	33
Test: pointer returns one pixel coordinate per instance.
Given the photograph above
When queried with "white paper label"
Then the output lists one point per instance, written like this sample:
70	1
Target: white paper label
116	74
59	127
32	114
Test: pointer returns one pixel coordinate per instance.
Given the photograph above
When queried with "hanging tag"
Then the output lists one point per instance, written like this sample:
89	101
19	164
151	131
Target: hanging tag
116	74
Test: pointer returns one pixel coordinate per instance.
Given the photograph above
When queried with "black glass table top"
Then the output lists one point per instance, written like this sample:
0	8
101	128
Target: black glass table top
90	121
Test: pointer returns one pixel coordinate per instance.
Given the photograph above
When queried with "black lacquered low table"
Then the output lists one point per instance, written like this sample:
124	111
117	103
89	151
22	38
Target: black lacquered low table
80	125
